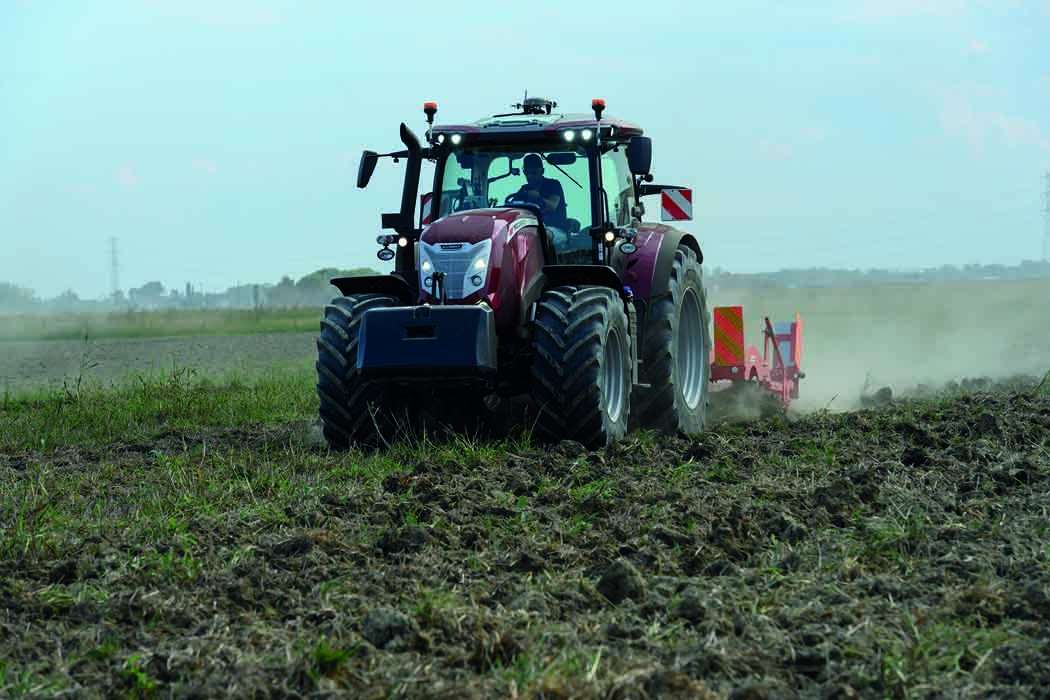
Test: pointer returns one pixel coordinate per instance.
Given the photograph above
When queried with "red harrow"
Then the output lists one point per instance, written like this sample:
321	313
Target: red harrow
779	368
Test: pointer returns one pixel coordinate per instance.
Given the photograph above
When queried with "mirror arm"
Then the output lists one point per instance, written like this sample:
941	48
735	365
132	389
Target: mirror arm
644	190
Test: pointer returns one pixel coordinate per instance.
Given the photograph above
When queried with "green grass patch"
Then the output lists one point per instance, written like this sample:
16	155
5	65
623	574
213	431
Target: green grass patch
148	405
157	324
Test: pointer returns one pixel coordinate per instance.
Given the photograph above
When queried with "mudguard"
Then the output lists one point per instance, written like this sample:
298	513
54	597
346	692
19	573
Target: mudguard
391	284
661	279
598	275
647	272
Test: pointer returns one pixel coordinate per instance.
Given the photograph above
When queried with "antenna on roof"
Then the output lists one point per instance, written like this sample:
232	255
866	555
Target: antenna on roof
535	105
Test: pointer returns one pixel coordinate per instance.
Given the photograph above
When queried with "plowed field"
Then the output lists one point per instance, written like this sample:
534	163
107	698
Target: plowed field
892	552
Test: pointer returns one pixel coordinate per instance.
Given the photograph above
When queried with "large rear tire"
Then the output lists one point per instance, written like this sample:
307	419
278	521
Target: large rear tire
350	407
676	349
581	375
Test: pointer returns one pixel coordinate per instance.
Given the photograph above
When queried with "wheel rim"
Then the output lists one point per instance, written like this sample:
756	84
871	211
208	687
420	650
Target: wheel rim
691	353
614	396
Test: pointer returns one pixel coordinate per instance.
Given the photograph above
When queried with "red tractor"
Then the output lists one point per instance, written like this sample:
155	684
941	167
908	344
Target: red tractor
528	273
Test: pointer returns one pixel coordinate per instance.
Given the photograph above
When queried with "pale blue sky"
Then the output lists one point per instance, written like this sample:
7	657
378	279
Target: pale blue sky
218	141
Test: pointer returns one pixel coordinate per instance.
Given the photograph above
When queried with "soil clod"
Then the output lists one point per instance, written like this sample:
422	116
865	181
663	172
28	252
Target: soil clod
385	628
621	581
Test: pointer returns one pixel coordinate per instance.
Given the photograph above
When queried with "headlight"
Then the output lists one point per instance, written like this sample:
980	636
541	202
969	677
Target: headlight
477	270
426	267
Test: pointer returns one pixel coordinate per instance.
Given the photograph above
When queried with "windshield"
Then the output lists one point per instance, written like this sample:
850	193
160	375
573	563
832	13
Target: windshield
557	181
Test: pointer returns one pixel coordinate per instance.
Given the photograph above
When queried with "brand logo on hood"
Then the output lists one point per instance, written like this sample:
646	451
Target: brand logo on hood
450	246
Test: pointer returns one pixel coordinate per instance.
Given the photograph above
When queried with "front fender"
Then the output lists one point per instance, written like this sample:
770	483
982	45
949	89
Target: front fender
597	275
391	284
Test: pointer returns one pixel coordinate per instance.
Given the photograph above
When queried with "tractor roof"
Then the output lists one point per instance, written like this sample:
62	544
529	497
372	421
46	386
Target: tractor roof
532	123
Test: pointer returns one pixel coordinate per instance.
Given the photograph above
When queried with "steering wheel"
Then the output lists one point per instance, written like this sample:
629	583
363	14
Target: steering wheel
521	204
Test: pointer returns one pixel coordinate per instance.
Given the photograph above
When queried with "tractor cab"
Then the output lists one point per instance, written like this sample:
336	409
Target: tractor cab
570	171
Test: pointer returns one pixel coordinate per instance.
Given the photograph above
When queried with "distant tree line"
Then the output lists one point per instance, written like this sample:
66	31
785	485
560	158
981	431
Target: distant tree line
313	289
827	277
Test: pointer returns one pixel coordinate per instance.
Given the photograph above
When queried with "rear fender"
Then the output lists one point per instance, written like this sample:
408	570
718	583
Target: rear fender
391	284
648	271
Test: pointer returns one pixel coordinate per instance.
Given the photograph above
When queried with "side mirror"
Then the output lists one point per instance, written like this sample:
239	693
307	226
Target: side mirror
640	155
366	167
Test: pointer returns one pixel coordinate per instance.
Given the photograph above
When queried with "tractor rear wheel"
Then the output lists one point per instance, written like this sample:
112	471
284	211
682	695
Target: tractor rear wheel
350	408
581	375
676	349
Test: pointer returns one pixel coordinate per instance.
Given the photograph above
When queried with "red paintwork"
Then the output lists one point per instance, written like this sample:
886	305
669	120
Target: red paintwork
639	276
514	262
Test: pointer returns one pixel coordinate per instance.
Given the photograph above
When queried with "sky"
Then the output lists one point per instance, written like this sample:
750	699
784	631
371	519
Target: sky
216	142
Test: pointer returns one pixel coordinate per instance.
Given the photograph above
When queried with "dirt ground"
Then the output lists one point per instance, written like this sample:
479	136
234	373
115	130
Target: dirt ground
895	552
27	365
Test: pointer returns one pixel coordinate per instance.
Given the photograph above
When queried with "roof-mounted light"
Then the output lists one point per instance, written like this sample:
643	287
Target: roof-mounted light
569	135
586	134
430	109
598	105
456	138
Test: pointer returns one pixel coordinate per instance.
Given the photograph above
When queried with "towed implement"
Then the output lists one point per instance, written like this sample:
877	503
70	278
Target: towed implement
777	370
528	272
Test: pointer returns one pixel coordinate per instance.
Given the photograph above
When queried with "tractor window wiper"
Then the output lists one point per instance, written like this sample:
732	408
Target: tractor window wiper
562	171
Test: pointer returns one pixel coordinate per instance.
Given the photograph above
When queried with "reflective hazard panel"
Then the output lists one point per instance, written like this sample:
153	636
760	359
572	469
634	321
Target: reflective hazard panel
729	335
676	205
425	212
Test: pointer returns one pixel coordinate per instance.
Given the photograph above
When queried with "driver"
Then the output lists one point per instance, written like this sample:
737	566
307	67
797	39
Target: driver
544	191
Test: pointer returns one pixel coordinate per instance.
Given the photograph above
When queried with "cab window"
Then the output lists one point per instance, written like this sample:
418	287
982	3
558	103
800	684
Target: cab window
616	180
479	178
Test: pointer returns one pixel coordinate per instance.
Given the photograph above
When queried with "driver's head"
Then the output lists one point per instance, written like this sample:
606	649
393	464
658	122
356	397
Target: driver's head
532	166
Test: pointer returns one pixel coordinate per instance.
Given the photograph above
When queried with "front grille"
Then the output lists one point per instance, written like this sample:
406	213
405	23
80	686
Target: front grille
454	264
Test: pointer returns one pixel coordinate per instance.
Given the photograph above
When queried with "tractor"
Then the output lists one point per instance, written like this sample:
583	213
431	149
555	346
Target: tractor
528	272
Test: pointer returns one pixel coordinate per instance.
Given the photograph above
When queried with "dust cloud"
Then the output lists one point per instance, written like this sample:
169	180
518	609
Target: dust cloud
905	337
854	339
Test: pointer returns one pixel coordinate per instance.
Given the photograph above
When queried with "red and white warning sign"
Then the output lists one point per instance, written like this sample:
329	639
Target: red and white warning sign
426	214
676	205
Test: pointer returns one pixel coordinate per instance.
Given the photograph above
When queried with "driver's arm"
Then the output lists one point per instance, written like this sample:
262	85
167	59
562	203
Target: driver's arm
553	196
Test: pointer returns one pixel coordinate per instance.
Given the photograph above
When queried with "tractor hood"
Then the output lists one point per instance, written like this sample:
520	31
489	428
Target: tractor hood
478	225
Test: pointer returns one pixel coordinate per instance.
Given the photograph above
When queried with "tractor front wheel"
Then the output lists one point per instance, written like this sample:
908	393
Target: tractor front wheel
350	407
581	366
